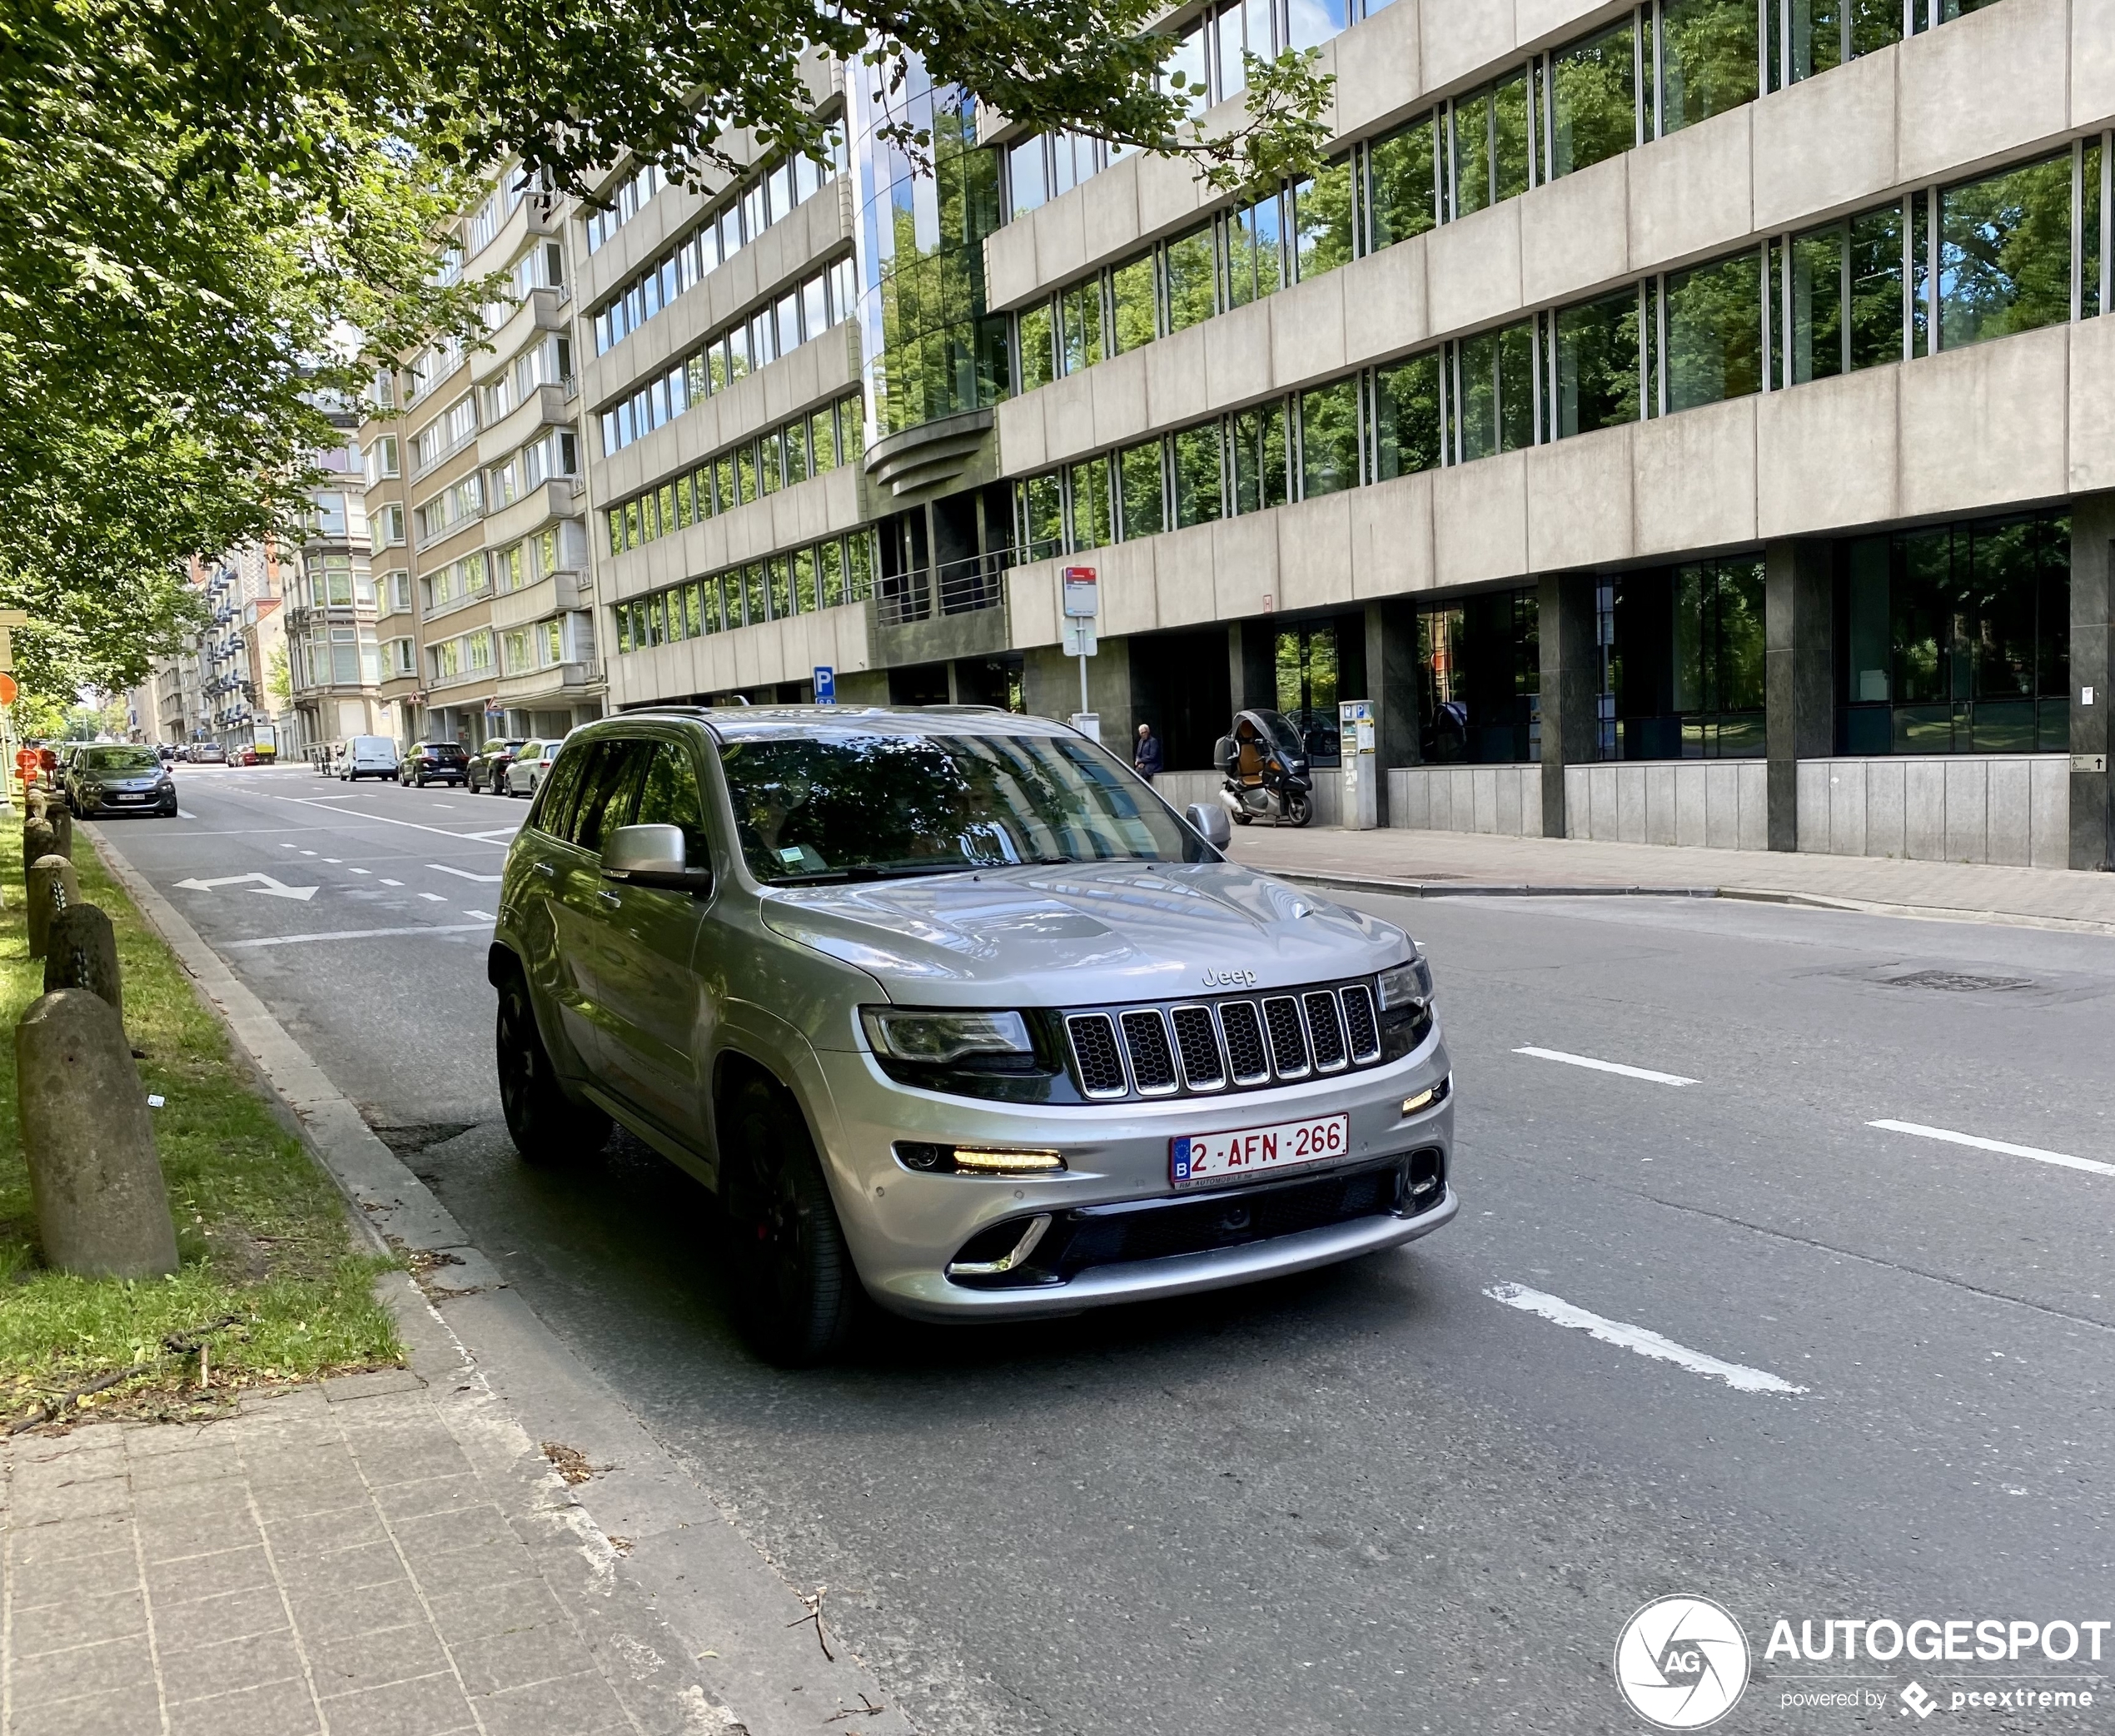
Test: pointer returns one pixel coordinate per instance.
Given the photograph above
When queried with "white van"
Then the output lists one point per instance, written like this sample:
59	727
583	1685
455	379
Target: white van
368	756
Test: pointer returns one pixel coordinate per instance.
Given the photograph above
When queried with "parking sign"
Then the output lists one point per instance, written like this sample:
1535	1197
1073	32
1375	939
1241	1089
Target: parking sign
825	685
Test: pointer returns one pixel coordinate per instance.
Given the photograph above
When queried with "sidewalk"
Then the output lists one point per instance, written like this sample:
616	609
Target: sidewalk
384	1553
1435	864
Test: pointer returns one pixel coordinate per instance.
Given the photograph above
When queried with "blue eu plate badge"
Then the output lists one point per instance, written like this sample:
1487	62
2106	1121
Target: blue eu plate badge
1179	1160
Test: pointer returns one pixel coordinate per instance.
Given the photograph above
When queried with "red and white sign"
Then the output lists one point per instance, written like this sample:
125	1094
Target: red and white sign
1083	595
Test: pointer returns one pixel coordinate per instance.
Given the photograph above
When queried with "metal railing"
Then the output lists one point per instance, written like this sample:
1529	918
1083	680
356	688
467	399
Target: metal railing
957	587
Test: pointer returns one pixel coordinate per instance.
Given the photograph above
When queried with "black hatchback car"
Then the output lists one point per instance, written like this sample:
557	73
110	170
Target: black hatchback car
434	762
488	770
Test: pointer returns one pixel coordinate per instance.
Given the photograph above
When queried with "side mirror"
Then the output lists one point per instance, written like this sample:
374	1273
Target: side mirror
653	856
1209	821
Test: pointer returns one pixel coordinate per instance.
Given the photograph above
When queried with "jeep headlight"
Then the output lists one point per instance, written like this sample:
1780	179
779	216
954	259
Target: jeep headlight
1402	984
935	1038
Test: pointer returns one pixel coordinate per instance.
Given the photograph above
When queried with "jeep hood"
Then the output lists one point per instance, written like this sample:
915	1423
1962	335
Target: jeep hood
1083	933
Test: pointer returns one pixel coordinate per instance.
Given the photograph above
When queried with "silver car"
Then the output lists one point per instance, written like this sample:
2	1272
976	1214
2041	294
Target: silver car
955	1014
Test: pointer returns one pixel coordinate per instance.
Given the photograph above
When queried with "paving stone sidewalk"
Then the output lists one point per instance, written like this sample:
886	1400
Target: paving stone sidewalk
1447	860
371	1556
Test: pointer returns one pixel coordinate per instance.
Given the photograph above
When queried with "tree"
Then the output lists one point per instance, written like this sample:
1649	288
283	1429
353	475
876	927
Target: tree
279	679
221	212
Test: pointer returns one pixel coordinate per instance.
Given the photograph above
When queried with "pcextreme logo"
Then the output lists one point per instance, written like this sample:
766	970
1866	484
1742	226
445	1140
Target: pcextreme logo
1681	1663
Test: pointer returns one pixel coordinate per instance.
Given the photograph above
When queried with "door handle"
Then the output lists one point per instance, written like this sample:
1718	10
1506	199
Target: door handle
610	898
545	869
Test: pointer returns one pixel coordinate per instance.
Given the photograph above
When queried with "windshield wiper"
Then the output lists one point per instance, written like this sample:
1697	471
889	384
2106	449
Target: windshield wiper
873	871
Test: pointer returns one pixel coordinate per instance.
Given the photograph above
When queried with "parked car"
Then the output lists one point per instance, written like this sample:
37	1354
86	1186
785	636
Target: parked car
434	762
956	1014
488	766
208	752
367	756
526	771
119	779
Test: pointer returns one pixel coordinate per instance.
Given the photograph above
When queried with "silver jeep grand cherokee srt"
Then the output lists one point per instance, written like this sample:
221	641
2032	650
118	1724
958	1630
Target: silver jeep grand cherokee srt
954	1012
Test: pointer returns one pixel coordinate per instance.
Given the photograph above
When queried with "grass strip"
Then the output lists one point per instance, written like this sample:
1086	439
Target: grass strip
261	1230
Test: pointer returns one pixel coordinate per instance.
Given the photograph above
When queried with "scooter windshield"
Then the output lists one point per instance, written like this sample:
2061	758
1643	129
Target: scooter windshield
1280	736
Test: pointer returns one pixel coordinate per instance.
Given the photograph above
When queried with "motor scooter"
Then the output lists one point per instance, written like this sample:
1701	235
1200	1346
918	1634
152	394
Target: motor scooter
1267	775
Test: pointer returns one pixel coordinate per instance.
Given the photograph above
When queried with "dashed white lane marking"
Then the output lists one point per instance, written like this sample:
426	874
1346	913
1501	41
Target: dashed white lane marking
337	861
362	871
442	868
185	814
2092	1165
386	881
1606	1067
433	898
301	940
1642	1339
483	915
308	852
384	819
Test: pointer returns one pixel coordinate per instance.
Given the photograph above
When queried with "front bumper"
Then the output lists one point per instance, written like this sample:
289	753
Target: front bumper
905	1227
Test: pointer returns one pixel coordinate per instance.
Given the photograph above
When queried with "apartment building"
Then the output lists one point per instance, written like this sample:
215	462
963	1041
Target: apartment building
1683	422
333	658
474	491
243	645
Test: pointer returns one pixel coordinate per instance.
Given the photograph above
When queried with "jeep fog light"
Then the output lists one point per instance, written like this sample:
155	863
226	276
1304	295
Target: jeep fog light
944	1160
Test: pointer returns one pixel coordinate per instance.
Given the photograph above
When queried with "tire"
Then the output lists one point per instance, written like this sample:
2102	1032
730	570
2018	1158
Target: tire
796	1297
1244	817
547	1127
420	781
1299	809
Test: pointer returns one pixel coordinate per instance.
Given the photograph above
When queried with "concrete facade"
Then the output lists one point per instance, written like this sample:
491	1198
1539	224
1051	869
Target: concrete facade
1786	476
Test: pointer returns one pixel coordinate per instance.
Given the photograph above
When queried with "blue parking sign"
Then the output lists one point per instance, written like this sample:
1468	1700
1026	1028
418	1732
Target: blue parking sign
825	685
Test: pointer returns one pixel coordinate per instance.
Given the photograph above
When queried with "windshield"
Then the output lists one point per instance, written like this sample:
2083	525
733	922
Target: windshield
858	806
1284	738
122	759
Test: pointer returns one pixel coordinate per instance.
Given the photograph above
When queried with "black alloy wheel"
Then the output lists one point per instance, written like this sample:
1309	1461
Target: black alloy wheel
1299	807
797	1295
547	1126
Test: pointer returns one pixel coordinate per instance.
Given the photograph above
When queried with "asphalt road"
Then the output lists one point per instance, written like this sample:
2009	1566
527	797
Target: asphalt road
1379	1499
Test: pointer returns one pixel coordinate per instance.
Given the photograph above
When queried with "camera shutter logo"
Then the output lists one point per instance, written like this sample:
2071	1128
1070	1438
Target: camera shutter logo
1681	1663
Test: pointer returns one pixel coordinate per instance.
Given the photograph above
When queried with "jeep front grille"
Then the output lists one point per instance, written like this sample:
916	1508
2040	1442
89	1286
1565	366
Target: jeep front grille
1236	1043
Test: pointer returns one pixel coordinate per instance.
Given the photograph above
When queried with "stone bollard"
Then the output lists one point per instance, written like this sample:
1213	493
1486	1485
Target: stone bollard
38	838
80	952
60	819
33	802
53	887
102	1210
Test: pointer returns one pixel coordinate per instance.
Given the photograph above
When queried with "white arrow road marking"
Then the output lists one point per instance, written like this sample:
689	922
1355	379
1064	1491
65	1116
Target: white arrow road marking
302	940
442	868
2092	1165
272	888
1606	1067
1644	1341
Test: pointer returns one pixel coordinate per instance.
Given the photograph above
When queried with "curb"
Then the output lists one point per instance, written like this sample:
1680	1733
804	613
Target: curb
1920	912
689	1564
1479	889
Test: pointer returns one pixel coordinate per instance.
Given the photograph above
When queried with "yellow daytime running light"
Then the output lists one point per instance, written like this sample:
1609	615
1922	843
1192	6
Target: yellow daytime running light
1424	1100
996	1162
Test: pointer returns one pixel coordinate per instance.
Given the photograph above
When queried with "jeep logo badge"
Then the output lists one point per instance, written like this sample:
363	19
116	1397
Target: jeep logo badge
1230	979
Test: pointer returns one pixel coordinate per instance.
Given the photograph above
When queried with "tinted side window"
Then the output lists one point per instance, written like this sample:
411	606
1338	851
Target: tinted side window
667	796
609	794
553	813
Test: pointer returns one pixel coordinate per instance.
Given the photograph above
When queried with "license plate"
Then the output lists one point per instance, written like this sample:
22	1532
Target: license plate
1250	1151
131	798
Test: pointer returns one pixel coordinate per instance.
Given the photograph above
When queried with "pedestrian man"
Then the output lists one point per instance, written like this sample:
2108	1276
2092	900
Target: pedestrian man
1145	758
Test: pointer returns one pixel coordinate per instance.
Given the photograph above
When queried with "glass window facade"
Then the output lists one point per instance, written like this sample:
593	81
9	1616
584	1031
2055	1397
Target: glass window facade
930	348
1479	665
1684	673
2004	252
1956	640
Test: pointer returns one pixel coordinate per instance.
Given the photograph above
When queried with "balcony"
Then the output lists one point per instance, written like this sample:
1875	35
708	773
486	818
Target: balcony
934	614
